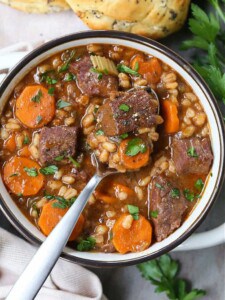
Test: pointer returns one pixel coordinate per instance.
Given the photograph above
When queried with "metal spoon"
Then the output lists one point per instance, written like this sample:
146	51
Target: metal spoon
38	269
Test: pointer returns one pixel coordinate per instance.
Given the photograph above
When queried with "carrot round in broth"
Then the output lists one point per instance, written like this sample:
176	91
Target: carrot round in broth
134	239
50	217
35	107
21	176
133	162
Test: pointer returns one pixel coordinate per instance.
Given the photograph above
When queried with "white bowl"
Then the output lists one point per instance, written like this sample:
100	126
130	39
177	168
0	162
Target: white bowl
200	89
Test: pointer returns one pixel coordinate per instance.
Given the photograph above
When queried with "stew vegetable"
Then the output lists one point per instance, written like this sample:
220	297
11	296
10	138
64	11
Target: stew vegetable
137	115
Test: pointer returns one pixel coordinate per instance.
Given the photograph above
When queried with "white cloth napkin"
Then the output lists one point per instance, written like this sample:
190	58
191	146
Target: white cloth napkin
67	281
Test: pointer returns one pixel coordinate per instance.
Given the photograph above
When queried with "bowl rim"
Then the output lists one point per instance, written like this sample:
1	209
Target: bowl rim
182	63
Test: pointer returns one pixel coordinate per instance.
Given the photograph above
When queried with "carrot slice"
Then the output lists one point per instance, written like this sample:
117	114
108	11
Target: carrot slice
50	217
137	238
137	60
105	197
132	162
170	114
151	70
24	152
17	179
122	188
10	143
35	107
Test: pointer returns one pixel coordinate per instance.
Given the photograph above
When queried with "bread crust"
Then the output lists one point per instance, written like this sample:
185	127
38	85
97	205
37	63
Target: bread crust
40	6
153	18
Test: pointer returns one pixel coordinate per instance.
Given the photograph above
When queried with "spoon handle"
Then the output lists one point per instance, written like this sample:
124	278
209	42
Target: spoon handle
36	272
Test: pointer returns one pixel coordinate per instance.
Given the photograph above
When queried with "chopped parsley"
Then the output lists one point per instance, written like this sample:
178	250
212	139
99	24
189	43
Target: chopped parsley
189	195
14	175
59	158
136	66
69	77
19	194
125	69
86	245
175	193
124	107
50	170
39	119
32	172
135	146
66	64
192	152
51	91
199	184
37	97
61	104
134	211
154	213
99	132
50	80
74	162
123	136
100	73
26	140
62	203
159	186
96	109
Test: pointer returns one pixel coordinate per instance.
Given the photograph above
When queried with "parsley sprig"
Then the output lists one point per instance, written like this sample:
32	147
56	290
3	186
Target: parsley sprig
162	273
208	36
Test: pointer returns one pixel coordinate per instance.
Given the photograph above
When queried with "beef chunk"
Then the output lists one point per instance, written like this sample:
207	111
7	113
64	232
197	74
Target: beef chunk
169	202
57	141
88	81
127	112
192	156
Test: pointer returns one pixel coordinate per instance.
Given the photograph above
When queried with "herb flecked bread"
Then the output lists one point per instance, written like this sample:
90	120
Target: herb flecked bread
153	18
39	6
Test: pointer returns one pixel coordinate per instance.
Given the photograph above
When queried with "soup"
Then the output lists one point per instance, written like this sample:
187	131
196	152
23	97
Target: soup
137	115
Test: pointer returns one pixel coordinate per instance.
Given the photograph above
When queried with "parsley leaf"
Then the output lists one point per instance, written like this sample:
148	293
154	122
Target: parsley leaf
26	140
136	66
123	136
99	132
154	213
61	104
208	35
50	80
192	152
162	272
69	77
125	69
74	162
175	193
124	107
59	158
31	171
199	184
60	202
37	97
39	119
50	170
66	64
134	211
86	245
189	195
14	175
51	91
100	73
159	186
135	146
